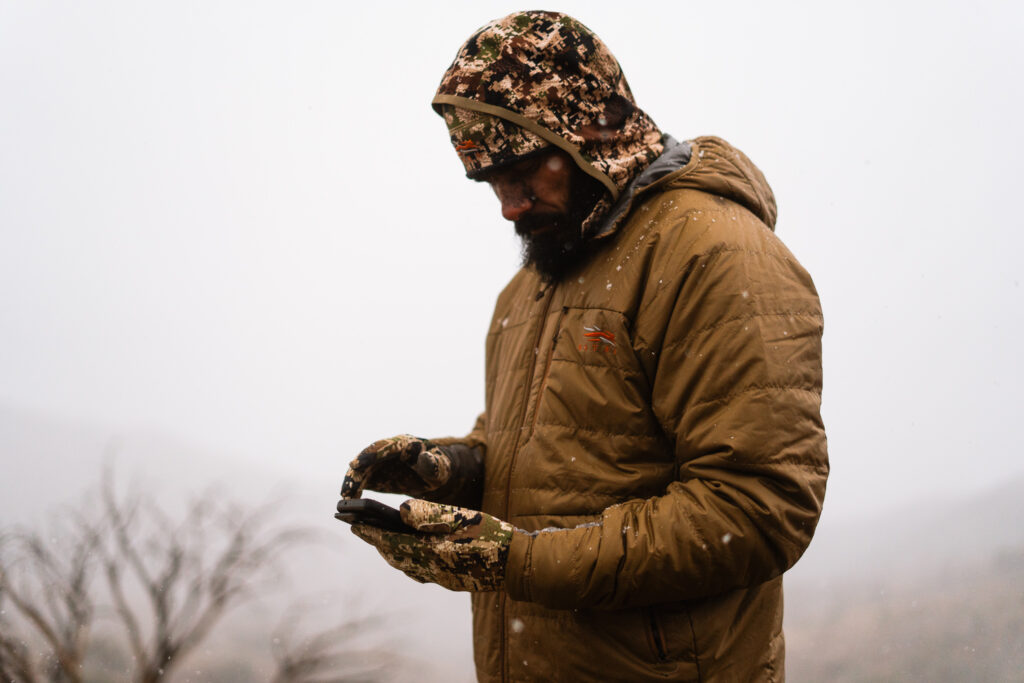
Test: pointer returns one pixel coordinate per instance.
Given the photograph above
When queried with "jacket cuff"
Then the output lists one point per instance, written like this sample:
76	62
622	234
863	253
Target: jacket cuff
518	569
564	568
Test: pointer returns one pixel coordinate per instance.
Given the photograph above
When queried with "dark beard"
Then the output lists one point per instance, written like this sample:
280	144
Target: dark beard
559	247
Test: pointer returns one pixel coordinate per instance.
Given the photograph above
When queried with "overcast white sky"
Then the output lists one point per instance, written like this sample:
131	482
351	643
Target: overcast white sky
241	225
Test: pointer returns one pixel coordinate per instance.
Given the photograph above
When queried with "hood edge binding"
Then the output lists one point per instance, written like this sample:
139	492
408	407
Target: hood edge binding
535	128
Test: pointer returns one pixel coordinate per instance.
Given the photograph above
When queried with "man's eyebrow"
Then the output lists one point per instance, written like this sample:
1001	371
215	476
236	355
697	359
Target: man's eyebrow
522	166
488	174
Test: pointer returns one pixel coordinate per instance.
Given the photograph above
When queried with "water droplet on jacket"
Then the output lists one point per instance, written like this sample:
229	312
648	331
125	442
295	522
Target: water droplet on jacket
745	294
608	286
518	626
726	538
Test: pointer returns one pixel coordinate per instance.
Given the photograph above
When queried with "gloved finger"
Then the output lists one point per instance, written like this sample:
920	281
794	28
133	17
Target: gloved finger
411	450
367	533
384	449
352	486
376	453
433	466
382	539
436	518
406	552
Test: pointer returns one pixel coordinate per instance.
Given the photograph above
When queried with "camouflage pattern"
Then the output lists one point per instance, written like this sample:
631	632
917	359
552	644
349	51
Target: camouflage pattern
401	464
484	141
555	73
460	549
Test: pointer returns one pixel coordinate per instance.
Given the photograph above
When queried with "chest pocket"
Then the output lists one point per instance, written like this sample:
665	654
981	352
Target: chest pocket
594	440
594	381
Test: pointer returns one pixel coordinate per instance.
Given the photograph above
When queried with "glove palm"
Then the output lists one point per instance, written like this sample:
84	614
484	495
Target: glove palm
460	549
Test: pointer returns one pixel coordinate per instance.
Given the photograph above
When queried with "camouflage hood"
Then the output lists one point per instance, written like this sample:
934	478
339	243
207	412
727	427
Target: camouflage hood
534	79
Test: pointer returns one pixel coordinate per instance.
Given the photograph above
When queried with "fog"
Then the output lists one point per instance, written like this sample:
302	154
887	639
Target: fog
241	227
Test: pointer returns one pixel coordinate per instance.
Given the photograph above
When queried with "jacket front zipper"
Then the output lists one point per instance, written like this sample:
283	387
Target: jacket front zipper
550	291
544	377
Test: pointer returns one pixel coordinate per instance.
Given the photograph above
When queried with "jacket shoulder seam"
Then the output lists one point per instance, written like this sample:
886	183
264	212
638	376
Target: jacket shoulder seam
757	387
813	315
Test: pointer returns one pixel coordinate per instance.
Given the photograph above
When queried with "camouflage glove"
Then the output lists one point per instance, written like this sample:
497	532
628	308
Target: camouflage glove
401	464
460	549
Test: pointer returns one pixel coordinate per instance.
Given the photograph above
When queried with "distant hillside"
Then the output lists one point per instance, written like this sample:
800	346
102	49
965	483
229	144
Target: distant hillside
923	536
952	626
933	593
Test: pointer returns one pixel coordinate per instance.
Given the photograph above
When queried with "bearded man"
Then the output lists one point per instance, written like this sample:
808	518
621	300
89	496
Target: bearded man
651	457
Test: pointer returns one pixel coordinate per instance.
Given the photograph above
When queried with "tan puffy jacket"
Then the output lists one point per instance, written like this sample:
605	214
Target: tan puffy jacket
654	421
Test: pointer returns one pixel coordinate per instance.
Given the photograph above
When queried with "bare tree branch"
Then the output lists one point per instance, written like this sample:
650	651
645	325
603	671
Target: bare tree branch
189	577
15	661
340	653
54	599
166	582
124	610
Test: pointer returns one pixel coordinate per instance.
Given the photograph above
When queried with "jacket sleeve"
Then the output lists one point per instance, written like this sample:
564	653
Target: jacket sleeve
466	485
737	388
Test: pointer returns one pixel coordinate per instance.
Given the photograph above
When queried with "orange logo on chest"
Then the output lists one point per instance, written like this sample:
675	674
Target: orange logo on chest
596	339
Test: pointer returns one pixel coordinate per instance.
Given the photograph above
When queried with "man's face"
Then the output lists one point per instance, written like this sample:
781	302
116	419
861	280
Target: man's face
547	197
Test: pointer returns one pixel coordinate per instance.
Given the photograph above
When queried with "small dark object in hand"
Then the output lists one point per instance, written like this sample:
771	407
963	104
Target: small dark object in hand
372	512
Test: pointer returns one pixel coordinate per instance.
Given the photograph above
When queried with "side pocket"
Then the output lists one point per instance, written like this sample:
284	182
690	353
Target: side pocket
671	633
657	635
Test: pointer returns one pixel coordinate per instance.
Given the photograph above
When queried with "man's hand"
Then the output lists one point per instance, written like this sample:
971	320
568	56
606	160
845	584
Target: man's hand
401	464
460	549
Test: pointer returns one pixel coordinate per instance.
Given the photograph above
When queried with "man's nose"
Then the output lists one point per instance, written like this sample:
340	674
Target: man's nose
516	199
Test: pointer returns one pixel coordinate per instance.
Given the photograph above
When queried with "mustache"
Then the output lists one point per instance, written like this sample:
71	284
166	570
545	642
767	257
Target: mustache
529	224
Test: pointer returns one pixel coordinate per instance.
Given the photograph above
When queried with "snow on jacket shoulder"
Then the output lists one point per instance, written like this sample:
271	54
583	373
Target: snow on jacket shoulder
653	421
